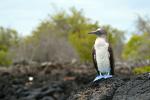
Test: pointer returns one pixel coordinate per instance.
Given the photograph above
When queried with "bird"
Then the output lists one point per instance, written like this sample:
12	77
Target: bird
102	55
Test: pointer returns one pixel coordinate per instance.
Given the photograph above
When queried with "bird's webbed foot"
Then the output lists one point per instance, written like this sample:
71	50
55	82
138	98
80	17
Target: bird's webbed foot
102	76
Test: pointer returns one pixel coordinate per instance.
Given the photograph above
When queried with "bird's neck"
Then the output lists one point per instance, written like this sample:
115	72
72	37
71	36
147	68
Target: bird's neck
102	37
100	42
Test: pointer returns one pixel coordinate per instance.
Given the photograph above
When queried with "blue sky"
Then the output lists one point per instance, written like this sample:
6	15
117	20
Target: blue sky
25	15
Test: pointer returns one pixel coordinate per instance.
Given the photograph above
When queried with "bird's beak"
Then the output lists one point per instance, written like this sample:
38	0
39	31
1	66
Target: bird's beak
90	33
93	32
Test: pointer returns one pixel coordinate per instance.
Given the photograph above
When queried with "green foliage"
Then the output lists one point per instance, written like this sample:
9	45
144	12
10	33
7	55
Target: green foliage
83	45
8	37
141	70
71	30
64	29
74	27
138	47
131	47
78	36
4	60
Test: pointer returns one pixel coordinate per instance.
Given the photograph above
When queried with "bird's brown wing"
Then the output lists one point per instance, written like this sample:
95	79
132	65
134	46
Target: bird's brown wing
94	60
111	59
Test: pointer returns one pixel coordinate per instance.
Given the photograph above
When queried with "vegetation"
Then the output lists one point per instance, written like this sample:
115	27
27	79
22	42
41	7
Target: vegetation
138	47
64	37
68	32
140	70
8	38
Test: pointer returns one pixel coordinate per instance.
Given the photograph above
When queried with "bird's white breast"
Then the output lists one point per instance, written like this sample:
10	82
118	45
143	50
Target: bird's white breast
102	55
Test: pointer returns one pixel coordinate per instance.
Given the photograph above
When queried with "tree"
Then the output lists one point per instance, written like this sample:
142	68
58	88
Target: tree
116	38
143	24
48	42
68	31
8	37
80	26
138	47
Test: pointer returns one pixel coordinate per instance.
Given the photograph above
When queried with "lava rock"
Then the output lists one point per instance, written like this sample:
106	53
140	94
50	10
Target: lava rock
137	88
115	88
100	90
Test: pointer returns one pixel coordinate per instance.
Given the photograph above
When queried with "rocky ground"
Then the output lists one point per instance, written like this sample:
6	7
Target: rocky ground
49	81
54	81
136	88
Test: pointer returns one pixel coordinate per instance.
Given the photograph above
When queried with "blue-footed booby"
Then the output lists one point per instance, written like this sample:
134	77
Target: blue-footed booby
102	55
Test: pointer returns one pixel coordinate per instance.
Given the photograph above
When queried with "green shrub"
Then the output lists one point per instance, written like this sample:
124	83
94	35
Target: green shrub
4	60
140	70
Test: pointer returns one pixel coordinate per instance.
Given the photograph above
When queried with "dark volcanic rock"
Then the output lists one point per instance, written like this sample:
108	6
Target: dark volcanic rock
137	88
50	82
58	82
100	90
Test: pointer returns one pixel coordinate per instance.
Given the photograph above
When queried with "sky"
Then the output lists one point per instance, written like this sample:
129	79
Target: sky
25	15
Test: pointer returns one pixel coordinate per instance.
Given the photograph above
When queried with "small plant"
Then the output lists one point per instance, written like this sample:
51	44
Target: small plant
140	70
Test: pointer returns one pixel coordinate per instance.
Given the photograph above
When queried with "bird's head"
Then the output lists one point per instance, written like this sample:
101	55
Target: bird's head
100	32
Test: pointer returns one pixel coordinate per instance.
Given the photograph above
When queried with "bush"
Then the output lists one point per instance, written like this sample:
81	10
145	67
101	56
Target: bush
8	38
140	70
4	61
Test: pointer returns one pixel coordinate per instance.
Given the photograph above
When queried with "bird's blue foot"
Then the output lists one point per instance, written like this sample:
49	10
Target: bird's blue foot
107	76
101	77
98	78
